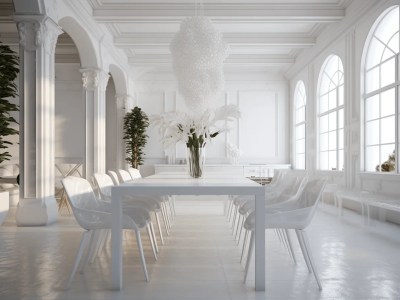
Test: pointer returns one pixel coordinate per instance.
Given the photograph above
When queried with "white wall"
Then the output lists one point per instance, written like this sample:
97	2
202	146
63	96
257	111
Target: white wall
69	113
347	40
111	127
261	133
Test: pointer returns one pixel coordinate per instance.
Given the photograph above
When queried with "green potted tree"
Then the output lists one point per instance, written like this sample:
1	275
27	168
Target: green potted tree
135	124
9	68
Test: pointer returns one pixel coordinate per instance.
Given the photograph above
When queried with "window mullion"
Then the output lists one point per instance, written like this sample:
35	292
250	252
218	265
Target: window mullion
397	116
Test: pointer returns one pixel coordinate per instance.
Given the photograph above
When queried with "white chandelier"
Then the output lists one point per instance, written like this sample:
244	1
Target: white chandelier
198	53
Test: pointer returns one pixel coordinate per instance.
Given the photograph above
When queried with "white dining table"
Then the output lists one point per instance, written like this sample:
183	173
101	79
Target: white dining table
182	184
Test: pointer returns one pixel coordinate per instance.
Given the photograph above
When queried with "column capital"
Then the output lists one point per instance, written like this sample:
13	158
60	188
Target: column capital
36	31
93	78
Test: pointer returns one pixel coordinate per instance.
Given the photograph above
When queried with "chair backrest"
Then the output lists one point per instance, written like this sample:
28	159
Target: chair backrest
104	184
80	193
114	177
87	209
293	187
286	181
312	192
124	176
81	198
276	177
296	213
134	173
310	197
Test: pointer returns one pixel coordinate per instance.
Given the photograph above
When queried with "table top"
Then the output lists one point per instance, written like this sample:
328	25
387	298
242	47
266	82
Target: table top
182	183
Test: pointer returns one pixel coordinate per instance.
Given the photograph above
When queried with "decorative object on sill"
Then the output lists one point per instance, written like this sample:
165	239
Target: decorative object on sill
198	52
194	131
389	165
233	153
135	124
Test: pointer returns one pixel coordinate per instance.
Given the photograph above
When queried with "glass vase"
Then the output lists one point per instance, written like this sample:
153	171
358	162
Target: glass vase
195	161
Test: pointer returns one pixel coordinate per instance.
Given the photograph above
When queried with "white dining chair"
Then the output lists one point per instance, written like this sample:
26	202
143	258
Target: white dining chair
114	176
93	215
124	176
135	173
289	190
104	183
295	214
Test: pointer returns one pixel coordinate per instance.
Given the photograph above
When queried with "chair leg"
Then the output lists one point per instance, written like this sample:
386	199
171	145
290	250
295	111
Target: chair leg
234	219
237	225
93	234
171	208
85	237
140	247
103	240
310	257
301	243
167	215
228	211
173	205
153	247
95	248
153	233
279	234
251	247
241	229
165	219
159	228
244	245
289	243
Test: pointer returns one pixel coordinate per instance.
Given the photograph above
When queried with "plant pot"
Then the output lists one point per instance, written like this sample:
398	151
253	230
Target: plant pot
4	205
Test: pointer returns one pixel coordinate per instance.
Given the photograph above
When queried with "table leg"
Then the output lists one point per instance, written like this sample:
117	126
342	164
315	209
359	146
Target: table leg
260	242
116	241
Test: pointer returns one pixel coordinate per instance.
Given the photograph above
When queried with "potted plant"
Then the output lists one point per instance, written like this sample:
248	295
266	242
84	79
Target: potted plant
9	68
135	124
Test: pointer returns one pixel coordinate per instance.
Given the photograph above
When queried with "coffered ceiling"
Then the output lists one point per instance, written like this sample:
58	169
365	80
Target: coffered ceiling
264	34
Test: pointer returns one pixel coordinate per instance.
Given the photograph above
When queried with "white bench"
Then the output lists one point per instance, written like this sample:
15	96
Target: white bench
367	199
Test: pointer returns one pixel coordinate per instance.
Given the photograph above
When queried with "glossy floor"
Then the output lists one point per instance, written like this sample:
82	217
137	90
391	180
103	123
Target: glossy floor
200	260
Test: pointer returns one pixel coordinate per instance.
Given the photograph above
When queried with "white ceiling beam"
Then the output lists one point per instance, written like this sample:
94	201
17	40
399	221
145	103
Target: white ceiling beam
172	12
259	60
237	39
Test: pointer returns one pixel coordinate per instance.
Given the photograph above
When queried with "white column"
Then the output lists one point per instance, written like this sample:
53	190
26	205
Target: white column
38	37
95	83
123	102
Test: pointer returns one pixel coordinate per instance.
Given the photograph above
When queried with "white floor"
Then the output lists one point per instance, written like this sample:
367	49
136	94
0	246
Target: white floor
201	261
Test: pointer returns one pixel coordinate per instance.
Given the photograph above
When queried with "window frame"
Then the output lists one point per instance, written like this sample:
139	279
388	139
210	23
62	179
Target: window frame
300	89
378	92
339	88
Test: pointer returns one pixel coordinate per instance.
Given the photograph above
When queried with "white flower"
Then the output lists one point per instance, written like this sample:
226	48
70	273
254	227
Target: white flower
195	131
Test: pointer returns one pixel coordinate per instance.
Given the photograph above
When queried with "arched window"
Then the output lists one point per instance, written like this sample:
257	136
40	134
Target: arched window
300	101
381	94
331	114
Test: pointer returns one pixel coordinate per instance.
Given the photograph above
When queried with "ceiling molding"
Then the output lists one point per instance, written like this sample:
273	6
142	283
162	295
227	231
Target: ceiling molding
249	39
260	60
175	12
